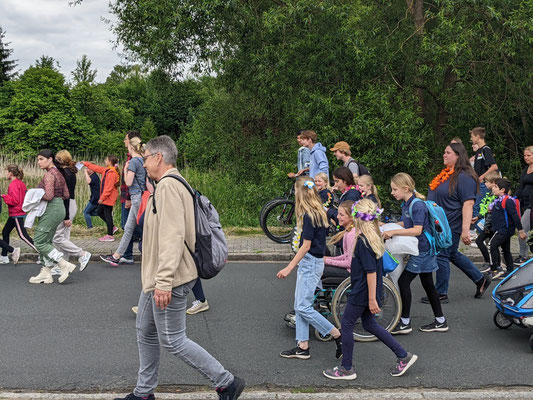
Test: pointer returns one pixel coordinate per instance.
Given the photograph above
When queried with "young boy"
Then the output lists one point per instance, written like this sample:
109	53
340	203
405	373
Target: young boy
505	219
304	158
319	161
483	163
485	230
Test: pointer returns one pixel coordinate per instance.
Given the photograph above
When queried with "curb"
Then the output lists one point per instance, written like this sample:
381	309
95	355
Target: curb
407	394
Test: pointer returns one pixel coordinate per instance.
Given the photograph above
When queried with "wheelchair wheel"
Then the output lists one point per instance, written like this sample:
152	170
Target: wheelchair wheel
321	338
278	220
391	309
500	321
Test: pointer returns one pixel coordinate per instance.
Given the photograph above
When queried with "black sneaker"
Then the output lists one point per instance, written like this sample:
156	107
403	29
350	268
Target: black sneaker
443	299
233	391
402	329
485	267
131	396
435	326
111	260
482	286
296	353
403	364
519	260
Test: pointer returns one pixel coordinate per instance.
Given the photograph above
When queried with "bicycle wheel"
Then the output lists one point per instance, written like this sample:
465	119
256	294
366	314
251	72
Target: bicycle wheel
391	309
278	220
263	209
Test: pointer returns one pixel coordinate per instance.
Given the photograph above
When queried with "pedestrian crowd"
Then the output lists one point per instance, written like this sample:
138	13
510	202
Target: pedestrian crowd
476	200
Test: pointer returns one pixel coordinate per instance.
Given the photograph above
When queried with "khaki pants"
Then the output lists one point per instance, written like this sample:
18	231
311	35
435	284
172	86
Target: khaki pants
62	236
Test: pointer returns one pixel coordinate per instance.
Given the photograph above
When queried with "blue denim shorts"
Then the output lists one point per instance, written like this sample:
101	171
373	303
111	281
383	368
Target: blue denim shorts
422	263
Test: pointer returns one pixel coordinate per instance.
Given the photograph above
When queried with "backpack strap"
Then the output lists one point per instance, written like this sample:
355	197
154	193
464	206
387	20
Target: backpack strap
415	200
429	236
504	201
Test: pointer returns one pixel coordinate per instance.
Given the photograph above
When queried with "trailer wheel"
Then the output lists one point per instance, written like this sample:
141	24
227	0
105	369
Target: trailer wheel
501	321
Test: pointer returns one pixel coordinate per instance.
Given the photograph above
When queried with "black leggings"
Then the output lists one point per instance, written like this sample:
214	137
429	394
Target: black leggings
504	242
480	241
12	223
106	213
427	283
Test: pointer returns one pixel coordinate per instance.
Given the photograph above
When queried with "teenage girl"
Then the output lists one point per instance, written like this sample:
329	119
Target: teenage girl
14	200
403	189
345	184
339	266
108	193
368	189
366	293
312	222
324	190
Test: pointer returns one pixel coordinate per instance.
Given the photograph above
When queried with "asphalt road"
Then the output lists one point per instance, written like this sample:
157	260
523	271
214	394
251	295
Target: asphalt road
81	336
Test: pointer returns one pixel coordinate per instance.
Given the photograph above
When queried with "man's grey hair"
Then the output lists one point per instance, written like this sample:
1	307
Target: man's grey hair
164	145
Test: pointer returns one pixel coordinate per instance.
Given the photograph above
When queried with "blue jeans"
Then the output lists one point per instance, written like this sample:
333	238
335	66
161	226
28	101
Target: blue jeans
483	190
137	234
459	260
90	211
309	272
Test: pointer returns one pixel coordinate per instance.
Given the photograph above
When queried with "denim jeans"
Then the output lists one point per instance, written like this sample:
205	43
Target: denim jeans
131	224
88	212
156	327
137	234
459	260
482	192
309	272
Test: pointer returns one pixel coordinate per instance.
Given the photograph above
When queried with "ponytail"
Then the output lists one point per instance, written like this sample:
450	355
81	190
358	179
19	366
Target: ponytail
16	171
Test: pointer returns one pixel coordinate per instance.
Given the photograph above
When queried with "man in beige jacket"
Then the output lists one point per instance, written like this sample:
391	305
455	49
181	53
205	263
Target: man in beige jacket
168	273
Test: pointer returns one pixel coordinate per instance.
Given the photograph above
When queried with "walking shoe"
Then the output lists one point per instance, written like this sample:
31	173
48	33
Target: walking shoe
442	297
55	270
135	309
496	273
403	364
289	315
197	307
66	268
107	238
15	255
84	260
485	267
502	276
402	329
340	373
435	326
44	276
4	260
520	260
131	396
482	286
110	259
296	353
291	324
128	261
233	391
115	229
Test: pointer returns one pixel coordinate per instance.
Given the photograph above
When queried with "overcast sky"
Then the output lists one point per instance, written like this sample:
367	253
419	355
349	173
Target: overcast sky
55	29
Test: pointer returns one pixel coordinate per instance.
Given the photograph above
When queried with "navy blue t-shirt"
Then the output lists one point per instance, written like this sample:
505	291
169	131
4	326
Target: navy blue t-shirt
327	198
364	262
452	204
372	197
352	194
95	188
317	236
419	218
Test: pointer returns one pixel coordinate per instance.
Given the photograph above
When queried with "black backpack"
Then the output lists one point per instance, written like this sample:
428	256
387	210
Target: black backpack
362	169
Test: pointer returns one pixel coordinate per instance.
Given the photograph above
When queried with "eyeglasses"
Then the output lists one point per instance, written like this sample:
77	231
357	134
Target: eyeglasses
149	155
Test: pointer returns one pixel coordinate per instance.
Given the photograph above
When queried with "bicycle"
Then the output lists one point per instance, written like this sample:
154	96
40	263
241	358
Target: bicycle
277	217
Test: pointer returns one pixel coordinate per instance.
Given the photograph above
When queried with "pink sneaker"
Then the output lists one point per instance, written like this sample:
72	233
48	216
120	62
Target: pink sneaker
115	229
107	238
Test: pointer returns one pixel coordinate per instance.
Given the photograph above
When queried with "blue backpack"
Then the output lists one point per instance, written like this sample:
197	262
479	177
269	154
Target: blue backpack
440	237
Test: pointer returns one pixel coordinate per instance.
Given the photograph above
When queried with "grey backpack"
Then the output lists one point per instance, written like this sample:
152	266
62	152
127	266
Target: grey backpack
211	251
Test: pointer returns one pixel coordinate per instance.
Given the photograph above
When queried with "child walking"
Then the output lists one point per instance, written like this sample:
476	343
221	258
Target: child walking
505	220
313	223
366	293
415	220
108	193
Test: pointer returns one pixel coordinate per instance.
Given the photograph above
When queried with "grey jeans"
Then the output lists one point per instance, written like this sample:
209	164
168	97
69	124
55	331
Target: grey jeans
167	327
131	224
526	225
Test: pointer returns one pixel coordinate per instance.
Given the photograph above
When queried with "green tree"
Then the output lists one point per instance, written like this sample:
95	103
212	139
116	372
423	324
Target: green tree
7	66
47	62
83	72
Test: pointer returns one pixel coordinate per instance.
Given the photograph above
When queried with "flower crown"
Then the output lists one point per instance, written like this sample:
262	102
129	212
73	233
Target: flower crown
309	184
365	216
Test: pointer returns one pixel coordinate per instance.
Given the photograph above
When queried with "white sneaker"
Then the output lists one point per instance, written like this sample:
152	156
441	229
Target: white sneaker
197	307
66	268
84	260
15	255
128	261
135	309
44	276
4	260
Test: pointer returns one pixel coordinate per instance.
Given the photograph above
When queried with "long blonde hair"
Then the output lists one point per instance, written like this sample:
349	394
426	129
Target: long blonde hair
137	145
308	202
369	229
369	181
347	208
401	179
64	159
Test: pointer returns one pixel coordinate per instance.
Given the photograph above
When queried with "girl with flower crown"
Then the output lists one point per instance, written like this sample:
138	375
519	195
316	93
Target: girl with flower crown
366	293
454	189
312	223
415	220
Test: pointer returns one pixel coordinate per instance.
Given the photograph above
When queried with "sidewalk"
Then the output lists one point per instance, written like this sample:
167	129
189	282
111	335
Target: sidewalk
240	248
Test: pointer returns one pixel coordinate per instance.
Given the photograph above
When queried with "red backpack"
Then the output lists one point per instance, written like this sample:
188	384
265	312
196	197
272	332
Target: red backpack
517	205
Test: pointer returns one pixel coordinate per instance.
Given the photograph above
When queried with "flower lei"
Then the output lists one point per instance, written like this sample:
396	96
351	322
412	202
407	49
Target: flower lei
499	200
365	216
356	187
441	178
327	203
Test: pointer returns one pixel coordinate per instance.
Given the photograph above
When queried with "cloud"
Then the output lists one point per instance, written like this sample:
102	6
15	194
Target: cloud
55	29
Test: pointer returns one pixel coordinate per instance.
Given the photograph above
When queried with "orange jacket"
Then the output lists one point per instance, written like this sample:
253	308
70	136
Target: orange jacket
108	188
